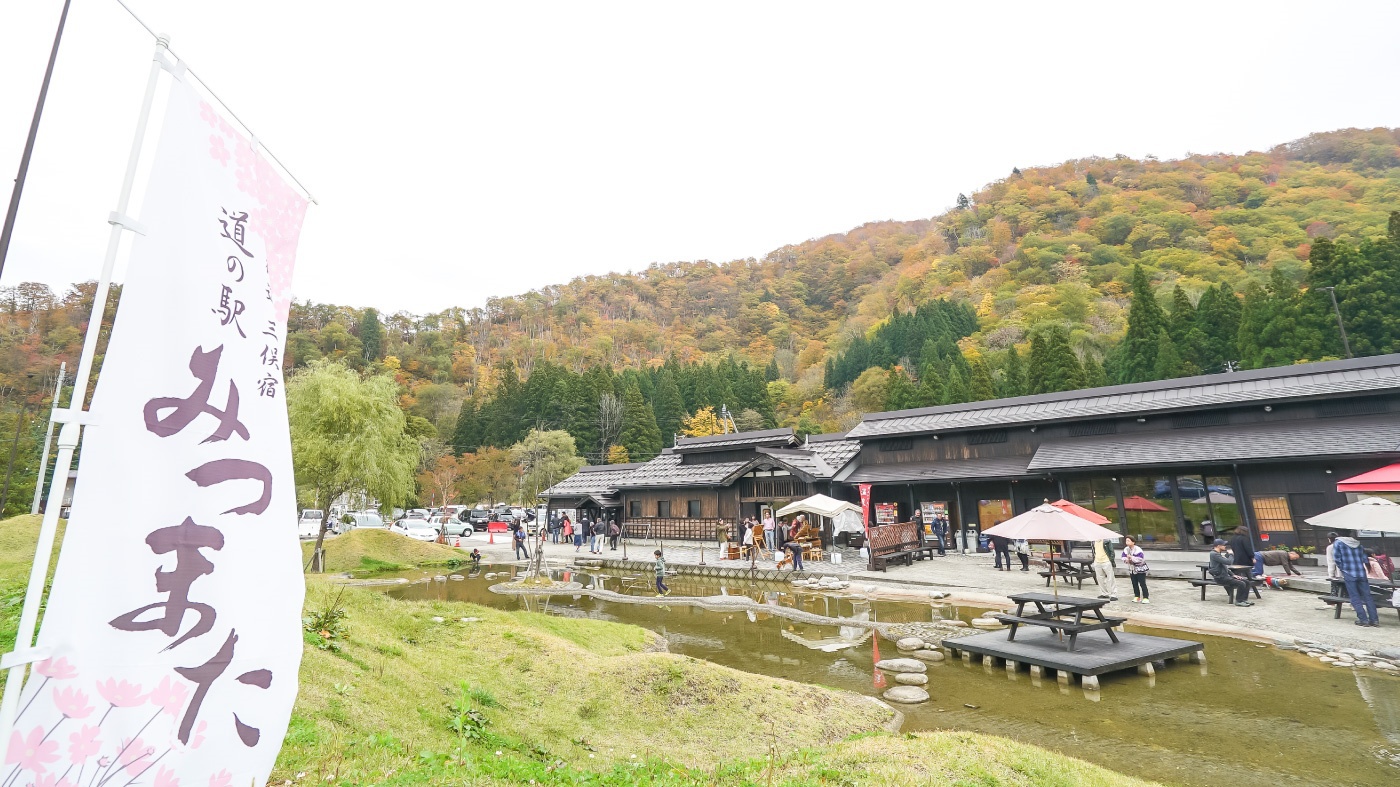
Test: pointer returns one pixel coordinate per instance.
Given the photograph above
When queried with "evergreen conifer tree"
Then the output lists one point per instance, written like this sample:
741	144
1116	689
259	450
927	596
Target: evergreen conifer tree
640	435
372	336
981	387
772	373
956	390
1168	364
900	393
1137	355
1094	376
930	391
466	437
1013	374
669	407
1053	365
1218	320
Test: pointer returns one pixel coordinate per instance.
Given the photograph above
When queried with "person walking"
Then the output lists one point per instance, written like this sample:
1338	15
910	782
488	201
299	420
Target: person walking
1023	552
1136	561
1103	570
661	589
520	544
1001	545
614	532
940	531
579	530
1236	589
1332	572
595	540
1350	560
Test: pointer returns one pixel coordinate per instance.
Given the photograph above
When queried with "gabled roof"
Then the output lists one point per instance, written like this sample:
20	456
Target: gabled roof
1329	437
806	464
597	481
944	470
835	450
768	437
1303	381
667	470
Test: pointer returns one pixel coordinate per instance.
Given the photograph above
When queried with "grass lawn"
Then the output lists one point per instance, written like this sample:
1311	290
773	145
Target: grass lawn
408	693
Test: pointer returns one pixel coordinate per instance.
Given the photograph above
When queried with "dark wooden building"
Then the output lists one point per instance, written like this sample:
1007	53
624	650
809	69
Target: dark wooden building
592	491
1263	449
706	483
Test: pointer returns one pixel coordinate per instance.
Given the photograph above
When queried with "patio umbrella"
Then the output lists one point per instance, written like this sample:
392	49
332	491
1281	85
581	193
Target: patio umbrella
1369	513
1385	479
1082	512
1050	523
1139	503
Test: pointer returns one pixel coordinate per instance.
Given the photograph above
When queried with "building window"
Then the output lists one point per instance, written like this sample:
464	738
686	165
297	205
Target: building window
634	509
1271	514
692	508
663	508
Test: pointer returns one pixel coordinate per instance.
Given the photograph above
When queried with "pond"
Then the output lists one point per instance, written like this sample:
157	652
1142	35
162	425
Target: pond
1253	715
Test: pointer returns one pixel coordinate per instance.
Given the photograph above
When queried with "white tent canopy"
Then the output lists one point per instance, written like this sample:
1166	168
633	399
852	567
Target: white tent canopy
1375	514
820	505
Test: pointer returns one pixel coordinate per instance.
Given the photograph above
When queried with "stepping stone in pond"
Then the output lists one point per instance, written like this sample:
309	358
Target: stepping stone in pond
901	665
986	623
928	655
911	678
906	694
909	643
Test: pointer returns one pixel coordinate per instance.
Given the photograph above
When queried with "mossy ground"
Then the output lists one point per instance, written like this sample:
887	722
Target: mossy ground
391	696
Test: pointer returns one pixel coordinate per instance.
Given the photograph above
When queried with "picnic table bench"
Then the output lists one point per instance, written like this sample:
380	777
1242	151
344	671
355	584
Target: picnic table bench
1070	569
1206	582
898	542
1054	613
1380	589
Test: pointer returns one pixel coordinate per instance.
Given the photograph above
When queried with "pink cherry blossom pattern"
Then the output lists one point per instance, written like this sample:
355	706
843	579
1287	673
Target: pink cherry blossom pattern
120	693
83	744
135	756
221	779
218	150
169	695
31	752
58	669
198	736
72	703
166	778
208	114
50	780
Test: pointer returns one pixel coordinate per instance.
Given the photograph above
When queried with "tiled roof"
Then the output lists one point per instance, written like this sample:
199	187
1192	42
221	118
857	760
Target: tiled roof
1236	444
836	453
667	470
1359	376
772	437
806	463
594	480
945	470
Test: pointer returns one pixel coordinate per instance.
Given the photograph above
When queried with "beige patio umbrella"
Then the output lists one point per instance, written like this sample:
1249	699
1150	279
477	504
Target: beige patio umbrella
1368	513
1049	523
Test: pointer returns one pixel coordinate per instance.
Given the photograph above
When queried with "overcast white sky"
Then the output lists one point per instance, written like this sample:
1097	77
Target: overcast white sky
465	150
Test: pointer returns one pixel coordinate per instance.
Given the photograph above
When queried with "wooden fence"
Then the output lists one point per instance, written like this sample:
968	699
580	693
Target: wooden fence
676	528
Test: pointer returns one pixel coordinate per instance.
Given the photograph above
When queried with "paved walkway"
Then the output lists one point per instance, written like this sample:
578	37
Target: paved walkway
1280	615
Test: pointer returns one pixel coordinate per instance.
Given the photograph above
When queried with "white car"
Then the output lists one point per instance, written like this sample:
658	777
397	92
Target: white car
309	526
363	519
416	529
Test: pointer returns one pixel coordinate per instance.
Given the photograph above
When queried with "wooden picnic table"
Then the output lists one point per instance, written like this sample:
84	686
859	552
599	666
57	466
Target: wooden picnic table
1060	613
1071	569
1205	570
1381	588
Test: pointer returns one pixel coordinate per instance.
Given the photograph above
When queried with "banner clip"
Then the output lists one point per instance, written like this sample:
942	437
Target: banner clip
19	658
176	67
126	223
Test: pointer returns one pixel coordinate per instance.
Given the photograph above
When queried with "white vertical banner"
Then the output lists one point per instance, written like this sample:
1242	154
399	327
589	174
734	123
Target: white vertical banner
174	619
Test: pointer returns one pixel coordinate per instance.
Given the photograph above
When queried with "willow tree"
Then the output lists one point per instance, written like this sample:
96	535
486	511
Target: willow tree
348	437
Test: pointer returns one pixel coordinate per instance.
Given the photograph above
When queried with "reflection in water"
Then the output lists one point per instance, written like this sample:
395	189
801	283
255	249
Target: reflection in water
1255	718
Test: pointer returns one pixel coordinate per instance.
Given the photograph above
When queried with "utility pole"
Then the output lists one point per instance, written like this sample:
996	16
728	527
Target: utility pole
1346	345
48	438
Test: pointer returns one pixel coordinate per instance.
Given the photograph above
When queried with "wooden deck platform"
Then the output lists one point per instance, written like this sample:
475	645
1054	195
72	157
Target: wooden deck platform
1094	655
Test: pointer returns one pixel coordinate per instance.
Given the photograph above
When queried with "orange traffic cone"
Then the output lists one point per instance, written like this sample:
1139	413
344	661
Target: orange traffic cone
490	535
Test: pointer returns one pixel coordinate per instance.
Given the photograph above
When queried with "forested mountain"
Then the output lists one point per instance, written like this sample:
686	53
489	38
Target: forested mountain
1091	271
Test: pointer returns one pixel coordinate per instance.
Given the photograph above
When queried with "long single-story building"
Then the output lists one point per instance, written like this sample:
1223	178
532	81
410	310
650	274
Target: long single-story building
1171	462
705	483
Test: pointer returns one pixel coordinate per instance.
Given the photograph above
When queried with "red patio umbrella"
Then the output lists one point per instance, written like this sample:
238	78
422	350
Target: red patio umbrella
1139	503
1386	479
1082	512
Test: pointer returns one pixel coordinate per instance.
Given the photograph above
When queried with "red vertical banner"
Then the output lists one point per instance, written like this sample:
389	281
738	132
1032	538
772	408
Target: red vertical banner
865	508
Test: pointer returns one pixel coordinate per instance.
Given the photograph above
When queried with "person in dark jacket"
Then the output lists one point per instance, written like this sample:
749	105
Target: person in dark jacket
1235	588
1001	545
1242	548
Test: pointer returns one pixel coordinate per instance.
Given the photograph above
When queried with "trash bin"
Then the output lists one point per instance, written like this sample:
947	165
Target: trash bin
984	543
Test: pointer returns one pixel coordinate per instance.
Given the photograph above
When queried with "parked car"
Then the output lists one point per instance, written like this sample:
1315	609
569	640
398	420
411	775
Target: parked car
479	517
416	529
416	513
1188	488
363	519
452	526
309	526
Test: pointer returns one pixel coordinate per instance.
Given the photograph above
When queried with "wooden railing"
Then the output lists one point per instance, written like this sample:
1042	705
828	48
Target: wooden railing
676	528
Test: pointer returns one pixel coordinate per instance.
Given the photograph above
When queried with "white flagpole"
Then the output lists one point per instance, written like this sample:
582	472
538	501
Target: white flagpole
75	415
48	439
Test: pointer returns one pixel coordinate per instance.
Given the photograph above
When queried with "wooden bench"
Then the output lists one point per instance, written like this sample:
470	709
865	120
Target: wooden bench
1066	626
1072	576
1207	583
1338	601
899	542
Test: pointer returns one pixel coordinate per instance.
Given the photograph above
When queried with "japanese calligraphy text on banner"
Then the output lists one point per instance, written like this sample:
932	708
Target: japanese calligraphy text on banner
174	620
